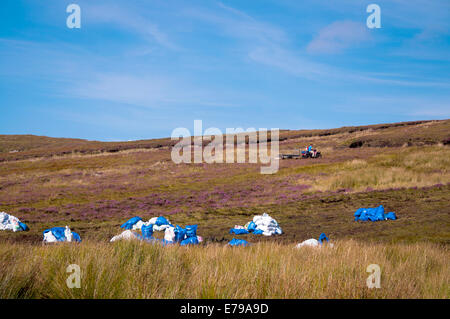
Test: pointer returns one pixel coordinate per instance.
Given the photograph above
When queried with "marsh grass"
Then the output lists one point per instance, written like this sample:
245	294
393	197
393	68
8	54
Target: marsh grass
264	270
414	167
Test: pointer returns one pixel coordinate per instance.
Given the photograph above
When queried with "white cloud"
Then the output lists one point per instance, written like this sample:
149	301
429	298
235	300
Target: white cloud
339	36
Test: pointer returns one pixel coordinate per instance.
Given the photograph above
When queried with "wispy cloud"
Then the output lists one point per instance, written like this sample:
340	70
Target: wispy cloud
288	62
128	19
303	67
417	106
338	36
428	44
441	112
269	45
65	75
233	63
146	91
238	24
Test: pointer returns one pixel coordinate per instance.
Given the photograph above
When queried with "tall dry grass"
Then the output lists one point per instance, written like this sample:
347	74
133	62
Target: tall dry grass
418	167
264	270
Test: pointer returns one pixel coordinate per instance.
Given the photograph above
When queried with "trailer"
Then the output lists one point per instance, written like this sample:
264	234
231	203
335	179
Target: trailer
287	156
301	154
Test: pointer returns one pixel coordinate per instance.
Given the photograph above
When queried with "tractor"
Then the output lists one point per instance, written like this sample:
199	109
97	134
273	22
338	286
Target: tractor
313	154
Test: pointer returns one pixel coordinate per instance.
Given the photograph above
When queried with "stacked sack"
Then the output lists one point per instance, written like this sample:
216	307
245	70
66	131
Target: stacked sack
60	234
159	223
373	214
186	236
172	234
260	225
266	224
175	234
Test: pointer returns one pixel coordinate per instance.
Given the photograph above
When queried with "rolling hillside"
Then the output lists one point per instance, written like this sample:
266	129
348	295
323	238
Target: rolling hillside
94	186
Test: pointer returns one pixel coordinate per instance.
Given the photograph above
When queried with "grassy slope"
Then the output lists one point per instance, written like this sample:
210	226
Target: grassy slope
95	193
16	147
93	189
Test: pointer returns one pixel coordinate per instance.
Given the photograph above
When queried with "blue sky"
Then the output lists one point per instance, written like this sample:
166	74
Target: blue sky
139	69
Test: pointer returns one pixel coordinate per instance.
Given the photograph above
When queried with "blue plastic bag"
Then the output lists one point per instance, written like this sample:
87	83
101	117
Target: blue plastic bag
161	220
58	232
362	214
23	226
251	227
147	231
377	214
391	216
257	232
180	233
238	242
323	237
129	223
238	231
373	214
189	241
191	231
76	237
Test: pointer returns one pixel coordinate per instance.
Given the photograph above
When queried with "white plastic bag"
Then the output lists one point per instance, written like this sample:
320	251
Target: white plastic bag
169	234
68	234
9	222
309	242
313	243
127	234
138	225
267	225
160	228
49	238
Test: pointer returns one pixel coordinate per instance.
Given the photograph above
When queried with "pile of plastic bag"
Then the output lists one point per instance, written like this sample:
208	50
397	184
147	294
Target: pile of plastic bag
260	225
172	234
9	222
314	242
60	234
158	223
373	214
